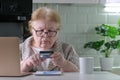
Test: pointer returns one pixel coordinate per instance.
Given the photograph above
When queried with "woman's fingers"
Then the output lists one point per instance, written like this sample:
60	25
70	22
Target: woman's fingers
57	59
54	55
34	60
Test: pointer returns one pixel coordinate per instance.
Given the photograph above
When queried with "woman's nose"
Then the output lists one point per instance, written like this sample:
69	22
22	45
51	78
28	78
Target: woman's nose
45	34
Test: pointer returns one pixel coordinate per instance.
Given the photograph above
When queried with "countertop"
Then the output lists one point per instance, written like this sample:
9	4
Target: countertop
114	70
97	75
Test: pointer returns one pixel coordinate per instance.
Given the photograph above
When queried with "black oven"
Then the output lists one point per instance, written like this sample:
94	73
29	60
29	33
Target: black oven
15	10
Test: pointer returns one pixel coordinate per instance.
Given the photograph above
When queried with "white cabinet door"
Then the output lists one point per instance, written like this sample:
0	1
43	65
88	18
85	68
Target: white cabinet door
112	1
109	1
65	1
102	1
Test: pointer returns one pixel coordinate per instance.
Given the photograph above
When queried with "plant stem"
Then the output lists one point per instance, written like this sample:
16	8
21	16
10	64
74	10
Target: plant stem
107	53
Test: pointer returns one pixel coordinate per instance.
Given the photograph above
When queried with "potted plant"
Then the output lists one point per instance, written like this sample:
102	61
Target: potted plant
106	45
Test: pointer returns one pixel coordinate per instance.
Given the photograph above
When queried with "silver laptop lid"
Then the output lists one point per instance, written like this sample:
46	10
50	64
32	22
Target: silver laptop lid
9	56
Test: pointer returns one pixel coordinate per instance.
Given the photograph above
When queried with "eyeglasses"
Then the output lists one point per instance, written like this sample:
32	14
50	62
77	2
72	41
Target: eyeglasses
50	33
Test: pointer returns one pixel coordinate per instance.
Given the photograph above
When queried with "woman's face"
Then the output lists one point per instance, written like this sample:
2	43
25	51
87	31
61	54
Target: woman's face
44	33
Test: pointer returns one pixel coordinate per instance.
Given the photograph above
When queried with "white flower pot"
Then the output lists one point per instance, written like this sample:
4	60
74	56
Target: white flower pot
106	64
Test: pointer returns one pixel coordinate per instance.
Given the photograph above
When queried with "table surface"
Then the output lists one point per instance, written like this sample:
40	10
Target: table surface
97	75
114	70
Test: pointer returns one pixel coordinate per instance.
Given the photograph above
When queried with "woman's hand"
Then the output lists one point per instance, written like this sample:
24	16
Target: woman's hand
58	59
32	61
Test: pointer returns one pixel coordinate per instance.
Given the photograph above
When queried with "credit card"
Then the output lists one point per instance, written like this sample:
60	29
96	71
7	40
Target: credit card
45	54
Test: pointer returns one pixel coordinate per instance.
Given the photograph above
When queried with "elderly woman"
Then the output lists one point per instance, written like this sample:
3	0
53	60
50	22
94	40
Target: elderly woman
44	27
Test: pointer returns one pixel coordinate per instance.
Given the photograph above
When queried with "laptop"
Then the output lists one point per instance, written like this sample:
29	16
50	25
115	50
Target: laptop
10	57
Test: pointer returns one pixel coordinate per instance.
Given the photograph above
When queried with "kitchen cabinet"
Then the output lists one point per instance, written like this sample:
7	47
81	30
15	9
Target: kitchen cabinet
102	1
108	1
112	1
66	1
77	1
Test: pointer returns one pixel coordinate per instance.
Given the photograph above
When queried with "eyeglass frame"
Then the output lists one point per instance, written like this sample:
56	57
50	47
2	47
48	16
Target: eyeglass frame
42	31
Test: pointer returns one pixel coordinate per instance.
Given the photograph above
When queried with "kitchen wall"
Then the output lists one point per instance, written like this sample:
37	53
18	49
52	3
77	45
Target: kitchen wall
78	23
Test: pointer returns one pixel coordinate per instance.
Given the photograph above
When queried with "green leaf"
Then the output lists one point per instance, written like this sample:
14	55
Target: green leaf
114	44
94	45
119	22
106	30
118	44
107	45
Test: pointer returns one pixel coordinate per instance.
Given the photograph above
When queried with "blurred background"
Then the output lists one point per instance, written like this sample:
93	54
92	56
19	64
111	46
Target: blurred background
78	20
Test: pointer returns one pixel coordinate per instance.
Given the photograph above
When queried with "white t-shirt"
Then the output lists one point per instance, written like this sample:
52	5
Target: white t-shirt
45	64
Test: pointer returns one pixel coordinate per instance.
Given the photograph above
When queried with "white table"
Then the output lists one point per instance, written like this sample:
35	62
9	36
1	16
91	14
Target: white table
101	75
